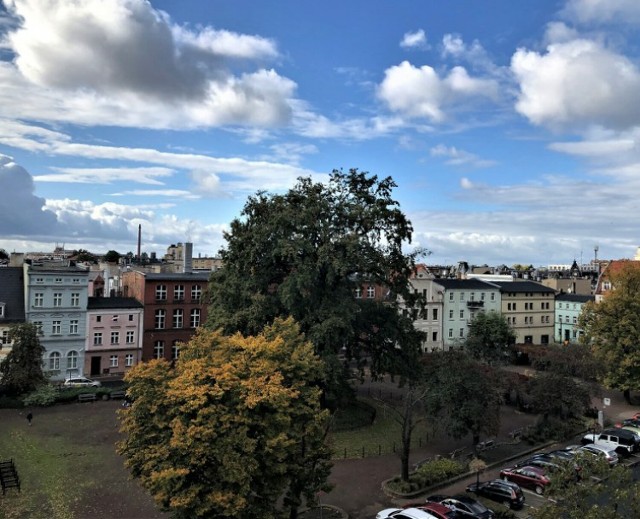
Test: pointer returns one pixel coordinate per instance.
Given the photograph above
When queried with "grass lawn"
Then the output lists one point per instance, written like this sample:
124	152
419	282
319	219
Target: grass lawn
68	466
379	438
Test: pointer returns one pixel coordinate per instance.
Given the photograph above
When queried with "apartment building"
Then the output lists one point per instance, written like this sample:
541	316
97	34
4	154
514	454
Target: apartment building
56	301
568	308
114	335
529	308
11	304
174	306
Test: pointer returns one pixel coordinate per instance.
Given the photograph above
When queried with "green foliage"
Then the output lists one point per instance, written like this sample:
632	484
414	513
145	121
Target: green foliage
489	337
4	255
428	474
611	327
306	252
554	395
21	369
353	415
10	402
43	396
112	256
571	360
232	428
464	393
552	429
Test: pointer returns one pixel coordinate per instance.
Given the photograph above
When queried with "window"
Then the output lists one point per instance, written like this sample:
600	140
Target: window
178	317
514	306
57	299
130	317
40	280
58	280
161	292
160	318
73	327
450	333
473	296
72	360
175	350
98	318
461	314
158	350
196	292
4	338
450	314
178	292
128	359
434	336
514	320
56	327
75	299
358	293
115	337
114	318
493	296
371	292
113	361
195	318
575	320
38	299
54	360
434	314
131	337
75	280
450	296
97	338
481	296
38	325
461	332
461	296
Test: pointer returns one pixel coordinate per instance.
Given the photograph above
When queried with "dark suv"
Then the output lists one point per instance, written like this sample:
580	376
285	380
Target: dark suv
505	492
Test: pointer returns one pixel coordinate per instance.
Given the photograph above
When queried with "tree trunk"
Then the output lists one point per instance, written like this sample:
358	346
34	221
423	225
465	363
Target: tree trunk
627	396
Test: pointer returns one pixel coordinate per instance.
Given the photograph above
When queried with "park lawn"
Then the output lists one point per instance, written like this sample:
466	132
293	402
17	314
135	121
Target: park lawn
68	466
382	437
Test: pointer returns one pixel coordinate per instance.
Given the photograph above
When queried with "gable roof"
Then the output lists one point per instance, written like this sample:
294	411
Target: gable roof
465	284
523	286
574	298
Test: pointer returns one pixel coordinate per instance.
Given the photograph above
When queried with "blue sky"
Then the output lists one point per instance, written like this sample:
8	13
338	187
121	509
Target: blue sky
511	128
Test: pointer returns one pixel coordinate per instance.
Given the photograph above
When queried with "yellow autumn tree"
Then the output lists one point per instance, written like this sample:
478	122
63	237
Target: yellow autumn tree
234	429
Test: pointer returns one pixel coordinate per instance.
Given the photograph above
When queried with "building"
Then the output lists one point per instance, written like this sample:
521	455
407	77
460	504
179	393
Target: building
427	317
174	306
529	309
462	299
11	304
56	301
114	335
614	267
568	309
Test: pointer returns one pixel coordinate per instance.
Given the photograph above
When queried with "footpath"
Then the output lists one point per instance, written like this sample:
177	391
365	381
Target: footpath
358	482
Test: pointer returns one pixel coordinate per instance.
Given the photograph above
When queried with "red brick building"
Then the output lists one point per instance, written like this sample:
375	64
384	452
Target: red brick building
174	306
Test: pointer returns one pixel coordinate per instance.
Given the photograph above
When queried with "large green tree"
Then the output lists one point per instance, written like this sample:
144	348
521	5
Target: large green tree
235	429
21	369
307	252
489	337
612	328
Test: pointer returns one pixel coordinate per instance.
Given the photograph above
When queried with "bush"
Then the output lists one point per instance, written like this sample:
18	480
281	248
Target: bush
45	395
428	474
552	429
10	402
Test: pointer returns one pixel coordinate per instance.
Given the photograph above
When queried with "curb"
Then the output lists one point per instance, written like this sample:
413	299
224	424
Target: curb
411	495
343	514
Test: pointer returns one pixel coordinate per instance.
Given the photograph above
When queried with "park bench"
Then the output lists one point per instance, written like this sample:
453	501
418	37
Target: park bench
86	397
485	445
8	476
118	394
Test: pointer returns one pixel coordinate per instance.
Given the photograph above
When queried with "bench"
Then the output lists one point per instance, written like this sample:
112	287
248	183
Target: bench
118	394
86	397
9	476
487	444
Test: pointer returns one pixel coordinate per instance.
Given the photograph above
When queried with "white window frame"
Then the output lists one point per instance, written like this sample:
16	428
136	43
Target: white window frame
178	318
158	350
161	292
75	299
113	361
130	337
38	299
73	326
97	338
54	361
196	293
178	293
160	319
72	359
128	360
57	299
115	337
56	327
194	318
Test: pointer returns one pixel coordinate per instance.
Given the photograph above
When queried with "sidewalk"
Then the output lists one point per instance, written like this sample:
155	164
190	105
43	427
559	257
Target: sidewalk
358	482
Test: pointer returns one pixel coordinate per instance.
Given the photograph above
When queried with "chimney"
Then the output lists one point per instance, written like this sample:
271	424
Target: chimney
188	257
139	239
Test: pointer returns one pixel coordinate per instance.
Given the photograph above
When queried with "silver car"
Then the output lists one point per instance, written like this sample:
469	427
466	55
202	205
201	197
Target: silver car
81	382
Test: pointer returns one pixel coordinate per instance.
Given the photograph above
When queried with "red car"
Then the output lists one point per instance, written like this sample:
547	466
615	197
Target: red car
532	478
435	509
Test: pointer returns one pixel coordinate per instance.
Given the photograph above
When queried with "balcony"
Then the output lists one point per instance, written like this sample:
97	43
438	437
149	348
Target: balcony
473	305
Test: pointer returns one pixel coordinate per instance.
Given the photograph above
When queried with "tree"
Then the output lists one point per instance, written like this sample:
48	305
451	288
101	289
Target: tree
557	396
21	369
112	256
611	328
4	255
464	393
234	429
306	254
85	255
489	337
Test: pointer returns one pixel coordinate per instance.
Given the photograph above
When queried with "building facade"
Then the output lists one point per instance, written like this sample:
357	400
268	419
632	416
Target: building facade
114	335
56	301
568	308
11	304
427	317
174	306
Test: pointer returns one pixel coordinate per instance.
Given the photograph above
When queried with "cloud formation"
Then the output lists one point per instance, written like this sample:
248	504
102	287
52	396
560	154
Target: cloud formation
456	157
414	40
602	11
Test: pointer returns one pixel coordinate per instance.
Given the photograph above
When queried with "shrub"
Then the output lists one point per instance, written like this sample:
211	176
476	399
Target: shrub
10	402
43	396
428	474
552	429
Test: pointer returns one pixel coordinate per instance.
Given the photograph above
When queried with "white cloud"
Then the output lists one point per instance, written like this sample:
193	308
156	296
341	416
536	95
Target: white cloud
173	193
414	40
106	175
123	62
458	157
602	11
576	84
422	93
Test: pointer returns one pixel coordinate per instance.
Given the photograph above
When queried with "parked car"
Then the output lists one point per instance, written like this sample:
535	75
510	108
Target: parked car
533	478
544	461
405	513
505	492
439	511
464	506
81	382
563	455
617	440
600	450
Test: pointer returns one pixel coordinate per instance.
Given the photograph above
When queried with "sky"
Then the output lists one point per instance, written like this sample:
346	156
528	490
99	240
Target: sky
510	128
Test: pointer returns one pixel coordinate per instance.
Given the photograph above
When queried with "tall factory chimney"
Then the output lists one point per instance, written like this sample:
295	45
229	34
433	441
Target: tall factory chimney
139	240
187	261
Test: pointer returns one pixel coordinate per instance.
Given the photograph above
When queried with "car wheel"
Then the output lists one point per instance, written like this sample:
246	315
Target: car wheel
507	504
539	490
505	478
